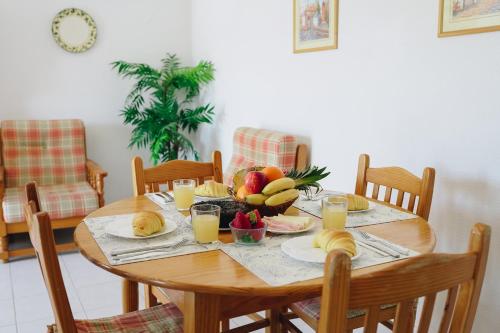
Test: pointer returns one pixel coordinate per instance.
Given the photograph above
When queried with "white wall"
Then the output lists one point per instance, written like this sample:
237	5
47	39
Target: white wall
38	79
392	89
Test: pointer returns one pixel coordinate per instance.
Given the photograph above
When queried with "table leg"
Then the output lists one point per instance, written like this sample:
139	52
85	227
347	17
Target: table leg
201	313
274	318
130	296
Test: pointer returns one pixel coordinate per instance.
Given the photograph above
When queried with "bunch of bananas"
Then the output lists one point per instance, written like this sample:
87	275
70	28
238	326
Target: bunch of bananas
275	193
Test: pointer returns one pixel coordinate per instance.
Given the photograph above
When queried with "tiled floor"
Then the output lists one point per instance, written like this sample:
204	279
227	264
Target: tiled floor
93	293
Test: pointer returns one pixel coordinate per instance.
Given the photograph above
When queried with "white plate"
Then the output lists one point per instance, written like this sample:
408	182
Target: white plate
371	206
123	228
301	248
288	232
188	221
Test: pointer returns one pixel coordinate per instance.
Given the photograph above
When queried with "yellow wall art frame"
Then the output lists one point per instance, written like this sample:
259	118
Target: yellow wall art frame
315	25
460	17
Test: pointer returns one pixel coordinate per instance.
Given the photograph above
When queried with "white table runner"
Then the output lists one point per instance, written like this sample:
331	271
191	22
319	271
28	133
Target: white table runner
269	263
380	214
108	243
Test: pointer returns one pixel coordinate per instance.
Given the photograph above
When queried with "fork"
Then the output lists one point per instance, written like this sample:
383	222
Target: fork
368	237
170	249
165	197
150	248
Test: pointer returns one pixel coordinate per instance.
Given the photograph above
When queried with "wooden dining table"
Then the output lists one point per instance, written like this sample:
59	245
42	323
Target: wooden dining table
210	286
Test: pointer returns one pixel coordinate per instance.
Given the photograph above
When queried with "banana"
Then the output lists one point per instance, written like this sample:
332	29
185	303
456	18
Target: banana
282	197
256	199
278	185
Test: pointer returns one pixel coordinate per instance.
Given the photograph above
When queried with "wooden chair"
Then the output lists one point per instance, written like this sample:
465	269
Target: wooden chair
396	178
165	318
150	179
52	153
461	275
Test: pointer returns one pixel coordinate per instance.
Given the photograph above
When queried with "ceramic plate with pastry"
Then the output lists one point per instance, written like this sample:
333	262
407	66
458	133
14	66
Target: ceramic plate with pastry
142	225
211	190
316	247
358	204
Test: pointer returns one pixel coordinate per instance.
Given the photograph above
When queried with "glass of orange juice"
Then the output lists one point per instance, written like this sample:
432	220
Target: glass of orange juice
334	211
205	223
184	193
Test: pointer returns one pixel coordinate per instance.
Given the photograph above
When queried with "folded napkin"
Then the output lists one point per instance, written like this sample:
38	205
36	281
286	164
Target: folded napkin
288	223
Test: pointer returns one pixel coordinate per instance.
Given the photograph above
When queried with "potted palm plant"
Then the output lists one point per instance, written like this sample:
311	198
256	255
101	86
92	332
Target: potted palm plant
161	106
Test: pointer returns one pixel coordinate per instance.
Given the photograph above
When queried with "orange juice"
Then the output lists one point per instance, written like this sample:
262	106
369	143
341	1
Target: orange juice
183	195
334	218
206	228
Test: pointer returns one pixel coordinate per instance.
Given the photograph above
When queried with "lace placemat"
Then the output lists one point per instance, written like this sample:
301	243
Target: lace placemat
379	214
268	262
109	243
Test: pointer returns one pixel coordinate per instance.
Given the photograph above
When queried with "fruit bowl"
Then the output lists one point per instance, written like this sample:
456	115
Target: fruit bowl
272	210
248	236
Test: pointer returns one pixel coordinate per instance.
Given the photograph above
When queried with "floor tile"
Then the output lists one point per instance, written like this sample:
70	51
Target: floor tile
83	273
8	329
106	311
7	315
37	306
40	325
6	290
103	295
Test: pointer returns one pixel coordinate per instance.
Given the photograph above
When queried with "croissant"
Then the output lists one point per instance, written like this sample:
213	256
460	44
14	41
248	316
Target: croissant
329	240
211	189
147	223
356	202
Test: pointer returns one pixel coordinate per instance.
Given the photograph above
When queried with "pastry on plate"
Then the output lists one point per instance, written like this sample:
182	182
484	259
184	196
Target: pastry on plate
329	240
211	189
356	202
147	223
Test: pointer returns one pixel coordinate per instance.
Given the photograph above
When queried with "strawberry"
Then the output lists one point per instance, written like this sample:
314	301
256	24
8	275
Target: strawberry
239	221
256	235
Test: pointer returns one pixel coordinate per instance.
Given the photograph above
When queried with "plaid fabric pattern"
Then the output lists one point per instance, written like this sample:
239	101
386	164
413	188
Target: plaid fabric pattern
165	318
311	307
253	146
46	151
59	201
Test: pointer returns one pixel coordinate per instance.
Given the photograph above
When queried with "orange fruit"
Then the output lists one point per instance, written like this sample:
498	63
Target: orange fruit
242	192
272	173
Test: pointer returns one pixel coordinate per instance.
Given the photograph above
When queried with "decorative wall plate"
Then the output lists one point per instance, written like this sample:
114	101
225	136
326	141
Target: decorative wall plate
74	30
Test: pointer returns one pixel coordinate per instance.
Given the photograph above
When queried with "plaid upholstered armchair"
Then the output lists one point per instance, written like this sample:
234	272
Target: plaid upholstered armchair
252	146
51	153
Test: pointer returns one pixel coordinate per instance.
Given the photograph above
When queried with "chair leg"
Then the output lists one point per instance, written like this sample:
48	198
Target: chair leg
224	325
4	249
150	300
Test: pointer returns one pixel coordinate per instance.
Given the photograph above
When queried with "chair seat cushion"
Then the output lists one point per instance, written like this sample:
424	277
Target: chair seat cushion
311	308
59	201
165	318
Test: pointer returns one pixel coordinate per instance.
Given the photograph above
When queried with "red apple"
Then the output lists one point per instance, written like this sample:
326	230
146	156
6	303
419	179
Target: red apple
255	182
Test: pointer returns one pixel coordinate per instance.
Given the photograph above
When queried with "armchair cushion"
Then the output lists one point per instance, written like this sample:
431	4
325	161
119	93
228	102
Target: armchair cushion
59	201
253	146
46	151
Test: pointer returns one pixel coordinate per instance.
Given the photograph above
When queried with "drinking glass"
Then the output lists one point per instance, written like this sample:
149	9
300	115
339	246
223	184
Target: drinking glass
334	211
184	193
205	222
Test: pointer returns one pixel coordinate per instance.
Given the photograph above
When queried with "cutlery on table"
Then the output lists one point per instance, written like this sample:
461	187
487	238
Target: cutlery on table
387	244
166	198
371	248
148	248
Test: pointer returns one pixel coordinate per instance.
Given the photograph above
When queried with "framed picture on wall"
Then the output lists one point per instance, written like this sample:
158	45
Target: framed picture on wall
315	25
459	17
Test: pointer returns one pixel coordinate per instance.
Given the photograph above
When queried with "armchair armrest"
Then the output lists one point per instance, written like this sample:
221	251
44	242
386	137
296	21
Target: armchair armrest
95	177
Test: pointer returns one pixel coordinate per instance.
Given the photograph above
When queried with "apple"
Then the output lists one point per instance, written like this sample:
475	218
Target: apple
255	182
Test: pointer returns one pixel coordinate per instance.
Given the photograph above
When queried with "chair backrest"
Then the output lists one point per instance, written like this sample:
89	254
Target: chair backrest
260	147
461	275
46	151
396	178
150	179
42	238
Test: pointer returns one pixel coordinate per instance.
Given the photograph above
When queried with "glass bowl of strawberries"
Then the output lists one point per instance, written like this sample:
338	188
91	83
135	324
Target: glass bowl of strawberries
248	229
